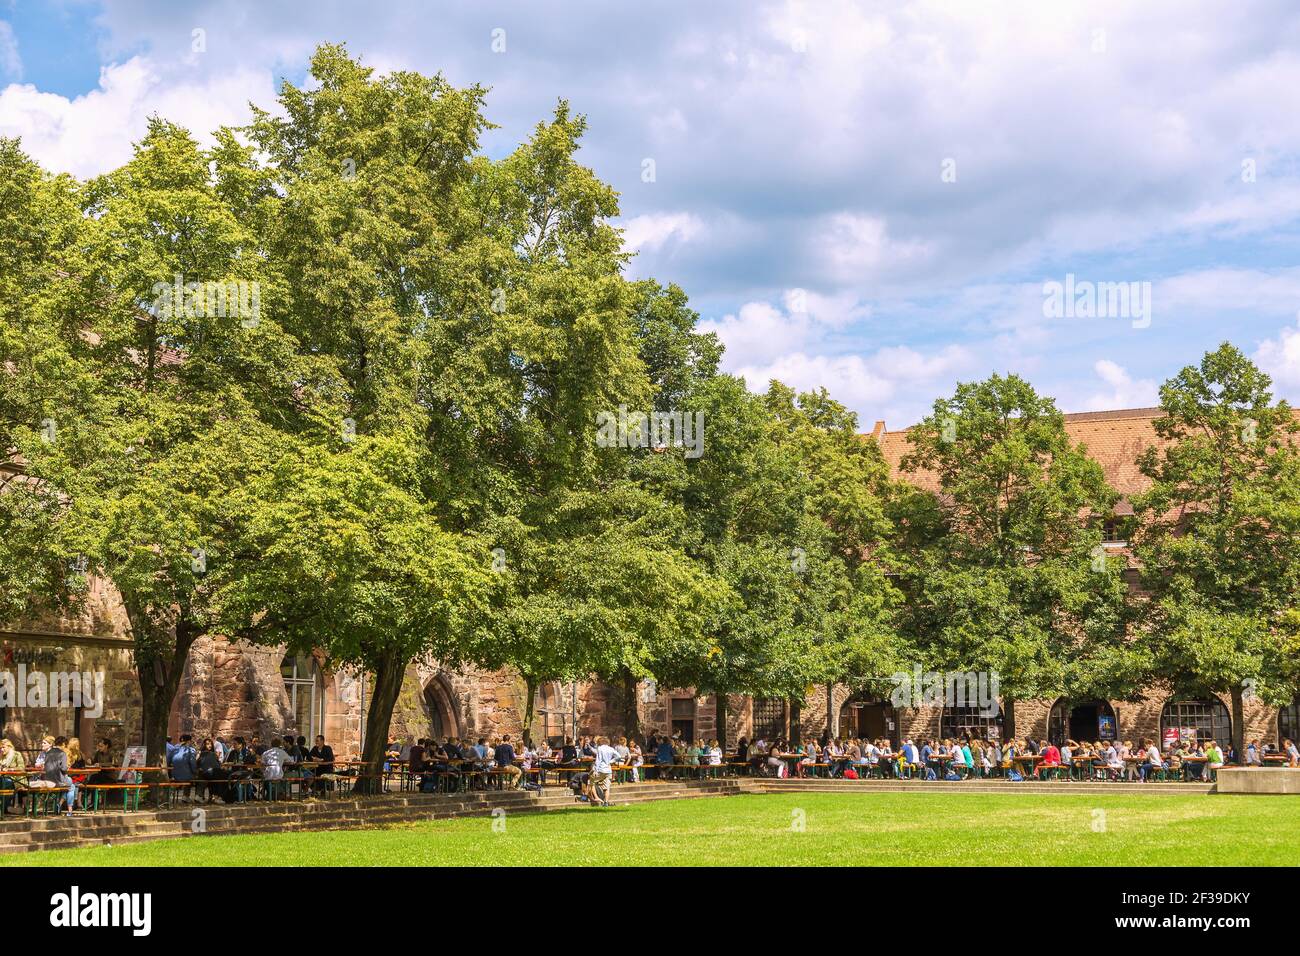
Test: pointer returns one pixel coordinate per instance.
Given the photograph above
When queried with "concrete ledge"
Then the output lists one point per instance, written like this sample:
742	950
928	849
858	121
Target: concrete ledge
1259	780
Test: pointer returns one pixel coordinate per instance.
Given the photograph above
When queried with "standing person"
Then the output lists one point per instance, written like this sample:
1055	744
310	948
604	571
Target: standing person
601	781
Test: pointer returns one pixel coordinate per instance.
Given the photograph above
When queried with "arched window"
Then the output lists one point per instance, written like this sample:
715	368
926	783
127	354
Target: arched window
1204	719
302	683
1288	722
970	722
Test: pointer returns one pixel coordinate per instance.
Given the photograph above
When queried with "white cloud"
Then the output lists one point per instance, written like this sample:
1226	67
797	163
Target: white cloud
857	247
1280	357
884	384
11	64
1124	390
654	230
95	131
759	332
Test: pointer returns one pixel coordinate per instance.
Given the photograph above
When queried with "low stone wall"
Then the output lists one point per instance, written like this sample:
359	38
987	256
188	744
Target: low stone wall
1259	780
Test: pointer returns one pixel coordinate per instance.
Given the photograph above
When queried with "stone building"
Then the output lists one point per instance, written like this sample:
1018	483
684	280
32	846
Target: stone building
230	688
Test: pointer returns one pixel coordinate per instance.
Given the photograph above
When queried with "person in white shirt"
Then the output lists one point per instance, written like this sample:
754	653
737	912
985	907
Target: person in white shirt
714	754
1112	758
273	760
601	780
1292	754
1152	762
955	752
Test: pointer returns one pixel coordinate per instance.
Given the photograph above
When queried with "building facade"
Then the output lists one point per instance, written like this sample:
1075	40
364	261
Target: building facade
232	689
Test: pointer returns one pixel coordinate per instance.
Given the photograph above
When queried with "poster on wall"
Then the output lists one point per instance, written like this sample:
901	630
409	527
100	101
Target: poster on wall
1105	727
134	757
1171	737
1189	735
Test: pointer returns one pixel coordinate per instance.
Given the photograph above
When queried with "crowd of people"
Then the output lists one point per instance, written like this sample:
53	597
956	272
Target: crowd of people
213	769
974	756
208	771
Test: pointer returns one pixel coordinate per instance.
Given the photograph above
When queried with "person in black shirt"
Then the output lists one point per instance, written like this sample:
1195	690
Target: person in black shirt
568	753
210	771
322	756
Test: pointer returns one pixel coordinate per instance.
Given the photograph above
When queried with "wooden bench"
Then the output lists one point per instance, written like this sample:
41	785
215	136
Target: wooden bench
130	793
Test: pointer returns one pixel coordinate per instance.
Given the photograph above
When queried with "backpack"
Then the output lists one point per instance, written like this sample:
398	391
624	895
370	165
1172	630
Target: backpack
850	774
1014	776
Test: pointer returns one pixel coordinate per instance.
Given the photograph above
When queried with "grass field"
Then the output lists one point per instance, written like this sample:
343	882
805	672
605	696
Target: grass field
884	829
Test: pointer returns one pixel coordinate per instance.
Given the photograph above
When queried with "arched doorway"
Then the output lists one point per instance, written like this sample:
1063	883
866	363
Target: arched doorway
1081	720
865	716
440	702
552	714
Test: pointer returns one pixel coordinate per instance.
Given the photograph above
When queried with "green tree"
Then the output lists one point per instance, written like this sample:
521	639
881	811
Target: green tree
171	393
339	556
1001	564
40	228
1219	537
844	555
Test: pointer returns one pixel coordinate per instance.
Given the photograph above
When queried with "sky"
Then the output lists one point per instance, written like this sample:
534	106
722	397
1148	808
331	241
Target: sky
871	197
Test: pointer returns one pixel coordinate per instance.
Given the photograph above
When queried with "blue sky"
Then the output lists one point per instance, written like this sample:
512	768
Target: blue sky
868	197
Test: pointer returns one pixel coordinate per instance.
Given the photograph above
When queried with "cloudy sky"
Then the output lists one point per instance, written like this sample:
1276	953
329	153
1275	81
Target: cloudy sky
866	196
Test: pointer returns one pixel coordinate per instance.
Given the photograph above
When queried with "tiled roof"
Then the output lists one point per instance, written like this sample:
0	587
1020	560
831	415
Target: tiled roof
1115	439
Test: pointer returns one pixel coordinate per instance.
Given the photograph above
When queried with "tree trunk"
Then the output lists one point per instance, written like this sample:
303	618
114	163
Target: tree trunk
796	730
1238	724
832	731
159	664
631	719
721	710
1008	719
531	684
388	684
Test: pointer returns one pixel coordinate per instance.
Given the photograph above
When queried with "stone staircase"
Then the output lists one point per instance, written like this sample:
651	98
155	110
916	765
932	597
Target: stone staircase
23	834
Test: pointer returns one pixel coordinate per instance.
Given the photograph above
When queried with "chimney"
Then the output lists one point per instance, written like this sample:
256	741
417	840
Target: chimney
877	431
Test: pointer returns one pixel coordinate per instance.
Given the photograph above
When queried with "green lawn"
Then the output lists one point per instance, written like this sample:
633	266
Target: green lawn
861	829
